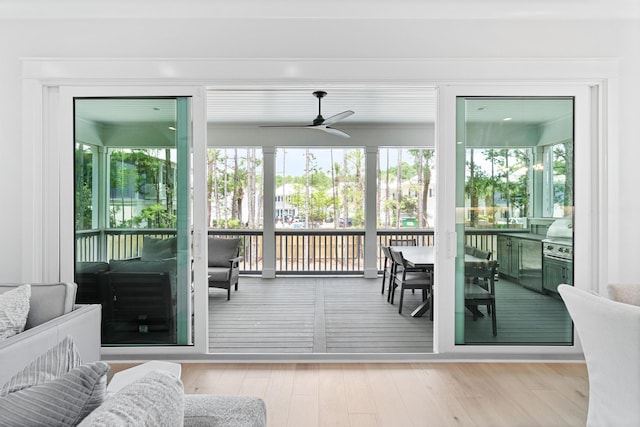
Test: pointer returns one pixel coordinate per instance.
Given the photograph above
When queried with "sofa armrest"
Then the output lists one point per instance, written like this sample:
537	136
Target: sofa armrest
231	411
48	300
83	324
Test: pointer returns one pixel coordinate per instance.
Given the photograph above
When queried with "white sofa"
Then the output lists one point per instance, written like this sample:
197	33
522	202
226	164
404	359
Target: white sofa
52	316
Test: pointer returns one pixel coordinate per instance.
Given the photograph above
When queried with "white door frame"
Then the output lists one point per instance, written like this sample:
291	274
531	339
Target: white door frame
42	77
587	245
59	200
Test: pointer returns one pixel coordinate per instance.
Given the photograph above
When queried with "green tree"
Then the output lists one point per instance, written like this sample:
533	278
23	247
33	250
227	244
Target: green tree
142	172
83	188
424	162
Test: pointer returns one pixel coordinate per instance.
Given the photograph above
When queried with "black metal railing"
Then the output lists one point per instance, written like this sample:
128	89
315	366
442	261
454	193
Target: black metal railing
303	252
319	252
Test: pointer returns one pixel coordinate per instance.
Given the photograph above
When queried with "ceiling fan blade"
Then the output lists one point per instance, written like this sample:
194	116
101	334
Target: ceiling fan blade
335	132
284	126
334	119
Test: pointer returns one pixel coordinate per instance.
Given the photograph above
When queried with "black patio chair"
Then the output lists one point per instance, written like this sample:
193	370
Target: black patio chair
476	295
406	279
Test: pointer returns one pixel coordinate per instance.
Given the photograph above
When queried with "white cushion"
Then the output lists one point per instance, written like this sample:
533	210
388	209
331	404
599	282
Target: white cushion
628	294
14	310
157	399
124	378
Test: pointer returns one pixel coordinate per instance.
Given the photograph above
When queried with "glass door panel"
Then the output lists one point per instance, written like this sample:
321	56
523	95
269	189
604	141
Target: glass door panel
515	164
132	216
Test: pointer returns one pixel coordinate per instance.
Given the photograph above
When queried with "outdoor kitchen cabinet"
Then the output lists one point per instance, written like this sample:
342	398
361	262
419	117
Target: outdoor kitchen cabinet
556	272
509	256
520	260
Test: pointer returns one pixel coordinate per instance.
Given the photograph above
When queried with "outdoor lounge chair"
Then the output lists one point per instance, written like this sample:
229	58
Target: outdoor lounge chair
223	263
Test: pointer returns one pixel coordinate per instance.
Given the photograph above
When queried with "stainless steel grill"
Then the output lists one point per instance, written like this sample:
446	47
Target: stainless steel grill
559	241
557	255
558	249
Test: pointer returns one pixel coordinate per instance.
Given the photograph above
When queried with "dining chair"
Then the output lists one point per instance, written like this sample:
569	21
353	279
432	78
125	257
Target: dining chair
486	255
403	242
475	294
406	279
394	269
388	264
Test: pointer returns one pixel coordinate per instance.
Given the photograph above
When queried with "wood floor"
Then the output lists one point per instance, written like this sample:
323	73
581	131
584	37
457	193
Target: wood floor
402	394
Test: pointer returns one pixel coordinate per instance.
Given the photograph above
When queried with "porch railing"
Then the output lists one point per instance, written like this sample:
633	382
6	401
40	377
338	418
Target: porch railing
303	252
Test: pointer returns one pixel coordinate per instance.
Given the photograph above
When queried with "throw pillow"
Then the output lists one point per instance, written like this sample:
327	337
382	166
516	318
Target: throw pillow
157	399
14	310
158	249
62	402
56	362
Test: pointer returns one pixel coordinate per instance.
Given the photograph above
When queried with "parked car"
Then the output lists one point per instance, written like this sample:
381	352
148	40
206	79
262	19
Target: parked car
341	222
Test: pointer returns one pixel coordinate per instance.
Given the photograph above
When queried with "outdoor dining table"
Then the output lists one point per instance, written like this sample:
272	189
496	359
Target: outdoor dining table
423	257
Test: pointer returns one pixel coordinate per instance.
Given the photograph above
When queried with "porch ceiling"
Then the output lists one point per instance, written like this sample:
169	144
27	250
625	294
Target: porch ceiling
379	105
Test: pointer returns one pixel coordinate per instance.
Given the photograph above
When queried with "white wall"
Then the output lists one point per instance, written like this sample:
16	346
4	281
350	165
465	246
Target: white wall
330	38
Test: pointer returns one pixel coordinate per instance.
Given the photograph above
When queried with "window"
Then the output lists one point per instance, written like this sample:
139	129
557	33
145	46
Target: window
498	187
234	188
142	188
319	188
405	196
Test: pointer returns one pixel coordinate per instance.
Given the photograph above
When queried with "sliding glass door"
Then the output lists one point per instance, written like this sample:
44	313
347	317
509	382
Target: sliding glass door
515	203
133	222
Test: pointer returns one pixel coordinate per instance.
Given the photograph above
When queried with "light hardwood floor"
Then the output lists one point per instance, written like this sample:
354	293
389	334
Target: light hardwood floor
402	394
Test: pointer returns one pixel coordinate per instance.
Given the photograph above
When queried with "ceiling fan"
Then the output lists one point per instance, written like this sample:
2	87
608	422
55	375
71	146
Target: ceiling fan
320	122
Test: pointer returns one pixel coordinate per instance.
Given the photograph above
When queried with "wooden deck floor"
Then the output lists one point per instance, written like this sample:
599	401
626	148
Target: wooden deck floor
349	315
314	315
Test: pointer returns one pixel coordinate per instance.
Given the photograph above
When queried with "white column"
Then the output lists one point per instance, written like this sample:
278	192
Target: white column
268	237
370	214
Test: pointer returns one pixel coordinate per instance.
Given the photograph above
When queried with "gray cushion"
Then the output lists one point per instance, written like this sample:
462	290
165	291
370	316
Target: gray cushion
218	274
157	399
157	249
56	362
62	402
229	411
96	267
222	250
139	266
14	310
